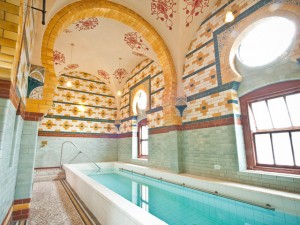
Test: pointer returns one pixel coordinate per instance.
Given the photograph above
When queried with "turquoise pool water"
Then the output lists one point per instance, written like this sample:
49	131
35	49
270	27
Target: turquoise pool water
177	205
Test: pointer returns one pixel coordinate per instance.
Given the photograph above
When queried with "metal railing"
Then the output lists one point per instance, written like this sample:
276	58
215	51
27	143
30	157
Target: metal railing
80	152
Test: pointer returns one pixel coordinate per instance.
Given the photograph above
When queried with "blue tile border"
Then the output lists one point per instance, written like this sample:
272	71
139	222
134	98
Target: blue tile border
93	106
129	118
85	92
160	108
124	106
79	78
199	70
78	118
140	82
213	118
156	75
232	85
140	70
197	49
158	90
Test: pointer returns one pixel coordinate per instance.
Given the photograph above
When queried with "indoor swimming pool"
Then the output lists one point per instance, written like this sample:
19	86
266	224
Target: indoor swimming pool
180	205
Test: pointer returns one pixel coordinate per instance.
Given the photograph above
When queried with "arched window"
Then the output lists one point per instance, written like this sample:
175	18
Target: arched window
143	139
271	126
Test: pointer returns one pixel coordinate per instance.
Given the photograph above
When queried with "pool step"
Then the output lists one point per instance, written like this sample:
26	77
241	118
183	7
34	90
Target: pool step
41	175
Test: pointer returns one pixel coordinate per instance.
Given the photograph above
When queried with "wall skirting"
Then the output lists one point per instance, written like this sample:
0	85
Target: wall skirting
21	208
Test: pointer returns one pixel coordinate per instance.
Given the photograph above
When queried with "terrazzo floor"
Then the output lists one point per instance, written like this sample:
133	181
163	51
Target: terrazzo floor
51	205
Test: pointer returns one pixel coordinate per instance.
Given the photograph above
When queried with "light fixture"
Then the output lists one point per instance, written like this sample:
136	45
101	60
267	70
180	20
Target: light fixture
229	17
119	93
81	108
69	84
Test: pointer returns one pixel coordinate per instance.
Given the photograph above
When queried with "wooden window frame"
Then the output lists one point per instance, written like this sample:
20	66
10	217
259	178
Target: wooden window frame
264	93
140	140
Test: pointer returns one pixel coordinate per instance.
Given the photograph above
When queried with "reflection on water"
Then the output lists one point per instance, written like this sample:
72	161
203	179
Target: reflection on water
140	195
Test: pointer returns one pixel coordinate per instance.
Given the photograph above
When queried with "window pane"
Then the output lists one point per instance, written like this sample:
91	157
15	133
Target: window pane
263	149
279	113
282	149
296	146
261	115
293	102
144	147
251	120
144	132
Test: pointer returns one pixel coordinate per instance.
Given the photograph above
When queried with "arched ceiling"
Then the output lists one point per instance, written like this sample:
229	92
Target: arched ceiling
100	48
103	47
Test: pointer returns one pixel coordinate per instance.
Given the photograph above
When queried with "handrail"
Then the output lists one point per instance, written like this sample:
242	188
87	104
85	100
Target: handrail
267	206
61	154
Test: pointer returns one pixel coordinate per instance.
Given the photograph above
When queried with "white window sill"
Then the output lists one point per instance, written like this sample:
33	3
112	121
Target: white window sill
260	172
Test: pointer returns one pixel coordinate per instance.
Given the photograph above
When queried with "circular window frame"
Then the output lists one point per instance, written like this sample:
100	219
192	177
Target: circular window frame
280	56
135	103
227	55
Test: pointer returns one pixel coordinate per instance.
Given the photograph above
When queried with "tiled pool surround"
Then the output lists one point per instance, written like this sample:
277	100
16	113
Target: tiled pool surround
110	208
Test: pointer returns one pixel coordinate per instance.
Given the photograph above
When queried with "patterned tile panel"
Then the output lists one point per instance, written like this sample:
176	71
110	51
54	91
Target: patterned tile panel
86	106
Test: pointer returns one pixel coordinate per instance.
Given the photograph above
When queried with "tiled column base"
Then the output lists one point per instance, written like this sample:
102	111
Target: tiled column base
7	218
21	209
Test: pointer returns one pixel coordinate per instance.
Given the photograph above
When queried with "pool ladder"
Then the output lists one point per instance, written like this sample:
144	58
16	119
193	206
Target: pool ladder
80	152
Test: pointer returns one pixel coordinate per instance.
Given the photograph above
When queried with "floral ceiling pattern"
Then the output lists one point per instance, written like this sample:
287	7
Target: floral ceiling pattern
58	58
164	10
87	24
193	8
103	74
120	74
135	41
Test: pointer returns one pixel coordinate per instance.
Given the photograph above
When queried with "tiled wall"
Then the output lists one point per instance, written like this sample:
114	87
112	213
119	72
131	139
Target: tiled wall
66	116
9	150
26	160
144	72
97	149
212	98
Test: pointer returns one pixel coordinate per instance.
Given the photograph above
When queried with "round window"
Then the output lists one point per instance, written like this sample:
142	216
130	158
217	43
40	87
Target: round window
266	41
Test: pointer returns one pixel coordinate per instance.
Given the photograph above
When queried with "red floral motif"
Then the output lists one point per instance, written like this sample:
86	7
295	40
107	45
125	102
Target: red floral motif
164	10
89	23
138	54
135	41
103	74
119	74
67	31
193	8
58	58
71	67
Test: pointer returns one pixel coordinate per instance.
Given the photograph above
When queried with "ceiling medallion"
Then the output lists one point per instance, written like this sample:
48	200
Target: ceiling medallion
71	66
58	57
134	41
103	74
89	23
138	54
193	8
164	10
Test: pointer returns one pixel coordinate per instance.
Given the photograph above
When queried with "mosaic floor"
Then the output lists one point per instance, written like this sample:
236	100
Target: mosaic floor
52	206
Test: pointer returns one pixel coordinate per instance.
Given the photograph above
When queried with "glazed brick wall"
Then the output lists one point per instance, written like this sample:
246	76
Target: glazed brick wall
8	172
98	149
206	147
26	160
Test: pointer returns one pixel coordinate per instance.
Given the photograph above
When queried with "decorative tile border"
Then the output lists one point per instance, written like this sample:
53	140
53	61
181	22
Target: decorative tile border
158	90
75	134
79	118
93	106
199	70
197	49
79	78
155	110
140	70
232	85
85	92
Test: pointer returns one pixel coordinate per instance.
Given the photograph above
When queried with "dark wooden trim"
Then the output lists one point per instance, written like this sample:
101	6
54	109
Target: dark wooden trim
47	168
267	92
142	123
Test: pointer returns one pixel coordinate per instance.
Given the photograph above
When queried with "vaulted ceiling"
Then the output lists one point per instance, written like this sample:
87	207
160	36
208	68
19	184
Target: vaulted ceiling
110	49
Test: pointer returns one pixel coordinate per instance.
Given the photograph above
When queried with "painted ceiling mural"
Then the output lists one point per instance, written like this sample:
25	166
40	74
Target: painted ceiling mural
193	8
164	11
106	41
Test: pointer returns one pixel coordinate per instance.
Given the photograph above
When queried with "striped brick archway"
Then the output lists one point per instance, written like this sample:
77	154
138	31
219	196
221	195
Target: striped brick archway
102	8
